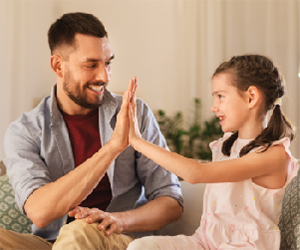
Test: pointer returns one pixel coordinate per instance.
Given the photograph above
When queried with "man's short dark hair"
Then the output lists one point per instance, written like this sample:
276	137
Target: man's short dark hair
63	30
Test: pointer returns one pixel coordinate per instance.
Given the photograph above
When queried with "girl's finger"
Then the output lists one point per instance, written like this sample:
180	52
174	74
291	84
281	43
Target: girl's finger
134	86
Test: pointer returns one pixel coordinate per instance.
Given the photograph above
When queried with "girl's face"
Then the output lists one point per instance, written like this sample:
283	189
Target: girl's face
229	105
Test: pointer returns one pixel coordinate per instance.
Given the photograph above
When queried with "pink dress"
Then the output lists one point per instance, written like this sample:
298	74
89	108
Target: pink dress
236	215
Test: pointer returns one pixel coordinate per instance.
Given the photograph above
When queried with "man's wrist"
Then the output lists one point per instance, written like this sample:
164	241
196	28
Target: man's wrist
122	218
113	148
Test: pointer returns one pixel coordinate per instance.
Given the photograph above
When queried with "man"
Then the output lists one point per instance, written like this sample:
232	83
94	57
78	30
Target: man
64	155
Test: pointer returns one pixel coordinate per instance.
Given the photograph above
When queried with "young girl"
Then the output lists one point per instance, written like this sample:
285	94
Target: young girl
251	167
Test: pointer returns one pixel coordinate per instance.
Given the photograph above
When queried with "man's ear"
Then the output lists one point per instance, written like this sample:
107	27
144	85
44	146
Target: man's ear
254	96
56	65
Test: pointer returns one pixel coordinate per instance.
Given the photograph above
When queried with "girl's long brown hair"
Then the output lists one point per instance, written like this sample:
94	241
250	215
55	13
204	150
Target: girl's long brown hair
258	71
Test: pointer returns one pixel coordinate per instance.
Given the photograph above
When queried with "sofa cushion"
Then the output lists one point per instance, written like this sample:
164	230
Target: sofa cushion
289	222
11	217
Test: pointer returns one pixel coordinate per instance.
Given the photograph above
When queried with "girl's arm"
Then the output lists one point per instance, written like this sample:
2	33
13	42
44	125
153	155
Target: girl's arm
274	160
271	164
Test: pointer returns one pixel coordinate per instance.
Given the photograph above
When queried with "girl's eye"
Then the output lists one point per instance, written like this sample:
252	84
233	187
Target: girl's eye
220	96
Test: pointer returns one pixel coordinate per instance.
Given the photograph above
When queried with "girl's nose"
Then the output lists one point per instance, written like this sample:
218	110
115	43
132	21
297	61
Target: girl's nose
214	108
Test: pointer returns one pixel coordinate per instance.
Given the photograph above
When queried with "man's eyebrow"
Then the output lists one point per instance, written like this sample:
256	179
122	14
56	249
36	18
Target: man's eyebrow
112	57
97	60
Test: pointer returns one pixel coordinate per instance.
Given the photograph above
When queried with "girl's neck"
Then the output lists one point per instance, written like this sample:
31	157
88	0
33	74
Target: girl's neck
251	132
253	129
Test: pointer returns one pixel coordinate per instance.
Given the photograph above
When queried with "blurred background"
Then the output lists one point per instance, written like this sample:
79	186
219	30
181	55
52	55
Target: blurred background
172	46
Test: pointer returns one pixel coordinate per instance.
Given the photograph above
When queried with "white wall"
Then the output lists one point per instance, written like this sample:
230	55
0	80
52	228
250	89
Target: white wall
172	46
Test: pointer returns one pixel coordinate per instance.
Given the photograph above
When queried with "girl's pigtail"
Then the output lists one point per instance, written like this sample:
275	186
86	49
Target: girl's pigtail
226	148
278	127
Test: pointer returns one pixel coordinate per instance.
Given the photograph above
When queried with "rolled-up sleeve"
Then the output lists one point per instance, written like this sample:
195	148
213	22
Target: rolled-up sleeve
25	168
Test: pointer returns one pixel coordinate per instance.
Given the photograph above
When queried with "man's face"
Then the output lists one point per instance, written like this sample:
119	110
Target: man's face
87	71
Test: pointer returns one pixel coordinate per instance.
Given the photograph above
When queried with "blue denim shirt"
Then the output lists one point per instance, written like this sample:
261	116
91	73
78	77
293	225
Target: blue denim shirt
38	151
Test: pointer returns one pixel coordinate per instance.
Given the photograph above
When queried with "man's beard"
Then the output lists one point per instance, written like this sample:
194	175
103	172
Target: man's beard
79	96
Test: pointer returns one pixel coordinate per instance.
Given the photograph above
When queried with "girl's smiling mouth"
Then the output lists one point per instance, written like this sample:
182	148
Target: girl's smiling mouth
221	117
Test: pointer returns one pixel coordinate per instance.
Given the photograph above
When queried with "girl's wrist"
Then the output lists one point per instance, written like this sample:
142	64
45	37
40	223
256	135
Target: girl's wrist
134	142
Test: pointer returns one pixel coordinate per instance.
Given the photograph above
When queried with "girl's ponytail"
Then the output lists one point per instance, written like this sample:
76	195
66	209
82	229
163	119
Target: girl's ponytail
278	127
226	148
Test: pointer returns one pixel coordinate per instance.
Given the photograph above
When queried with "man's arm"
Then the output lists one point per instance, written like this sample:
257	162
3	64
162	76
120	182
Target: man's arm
56	199
152	216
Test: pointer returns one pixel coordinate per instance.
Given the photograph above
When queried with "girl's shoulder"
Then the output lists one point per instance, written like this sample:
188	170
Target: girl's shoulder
293	165
285	142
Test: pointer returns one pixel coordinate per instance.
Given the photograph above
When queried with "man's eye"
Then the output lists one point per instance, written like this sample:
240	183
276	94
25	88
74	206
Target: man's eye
107	63
91	66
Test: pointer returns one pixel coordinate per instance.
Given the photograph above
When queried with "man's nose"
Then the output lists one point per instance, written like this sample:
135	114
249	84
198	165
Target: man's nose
103	73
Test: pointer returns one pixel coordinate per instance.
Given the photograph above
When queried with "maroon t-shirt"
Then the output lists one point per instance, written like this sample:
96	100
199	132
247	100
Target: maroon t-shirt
85	139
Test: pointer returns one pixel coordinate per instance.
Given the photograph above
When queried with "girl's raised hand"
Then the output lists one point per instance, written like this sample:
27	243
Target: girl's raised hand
120	134
134	131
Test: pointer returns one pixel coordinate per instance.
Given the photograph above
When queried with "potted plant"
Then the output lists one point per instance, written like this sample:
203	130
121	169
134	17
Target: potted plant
192	139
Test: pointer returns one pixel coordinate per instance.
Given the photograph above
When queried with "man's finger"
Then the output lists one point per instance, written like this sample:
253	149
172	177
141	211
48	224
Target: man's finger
112	229
95	217
75	210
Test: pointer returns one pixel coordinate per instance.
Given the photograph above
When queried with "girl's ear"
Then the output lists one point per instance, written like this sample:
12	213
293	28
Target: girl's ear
56	65
254	96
